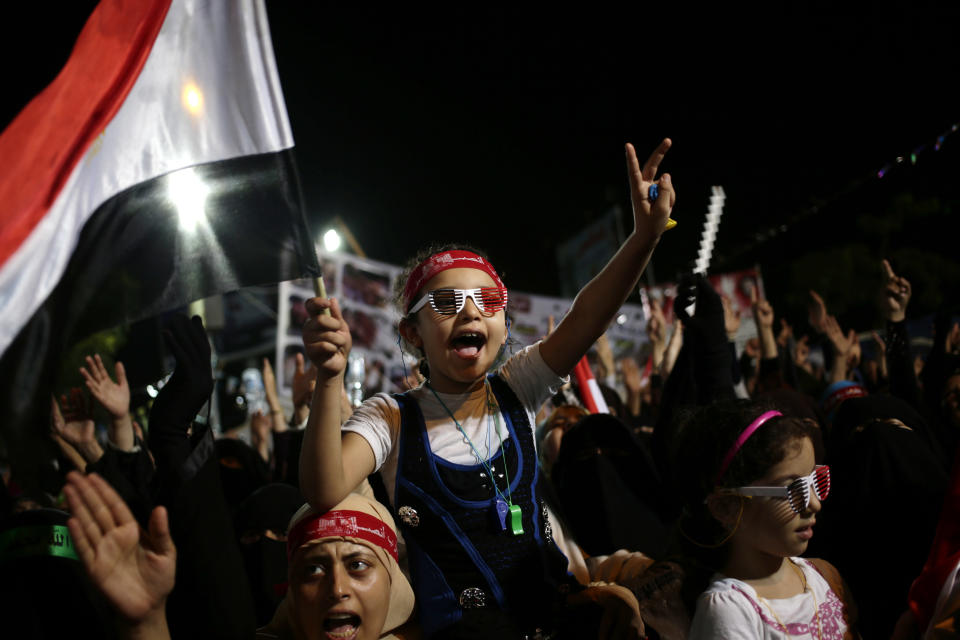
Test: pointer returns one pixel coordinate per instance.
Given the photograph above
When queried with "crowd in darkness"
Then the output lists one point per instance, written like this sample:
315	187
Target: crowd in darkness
727	493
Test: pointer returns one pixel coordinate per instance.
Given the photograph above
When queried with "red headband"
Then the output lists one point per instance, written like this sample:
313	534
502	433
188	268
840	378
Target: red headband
441	262
343	524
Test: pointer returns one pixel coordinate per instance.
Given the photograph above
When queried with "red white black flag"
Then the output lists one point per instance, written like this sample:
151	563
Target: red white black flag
156	169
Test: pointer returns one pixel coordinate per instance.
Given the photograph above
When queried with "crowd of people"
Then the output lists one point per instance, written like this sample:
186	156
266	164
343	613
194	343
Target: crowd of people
756	495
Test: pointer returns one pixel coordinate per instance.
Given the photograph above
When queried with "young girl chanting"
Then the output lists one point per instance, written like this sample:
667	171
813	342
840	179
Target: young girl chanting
752	492
457	455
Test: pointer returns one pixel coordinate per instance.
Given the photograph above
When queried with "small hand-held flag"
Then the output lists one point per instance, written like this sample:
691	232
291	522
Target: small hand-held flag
589	389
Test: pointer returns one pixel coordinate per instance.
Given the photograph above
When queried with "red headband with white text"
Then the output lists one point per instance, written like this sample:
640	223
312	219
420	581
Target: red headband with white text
441	262
343	524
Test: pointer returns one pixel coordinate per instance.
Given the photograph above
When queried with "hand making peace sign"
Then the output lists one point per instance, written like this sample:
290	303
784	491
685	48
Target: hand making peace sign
650	218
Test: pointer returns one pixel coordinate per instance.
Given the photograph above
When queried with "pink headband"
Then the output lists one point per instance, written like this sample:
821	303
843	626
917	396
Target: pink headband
343	524
744	435
441	262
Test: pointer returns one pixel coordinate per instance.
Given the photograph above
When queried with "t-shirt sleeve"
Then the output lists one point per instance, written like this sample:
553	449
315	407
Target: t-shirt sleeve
377	420
530	377
724	614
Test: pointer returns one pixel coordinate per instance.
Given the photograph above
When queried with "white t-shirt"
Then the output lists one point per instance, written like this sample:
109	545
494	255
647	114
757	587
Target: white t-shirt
731	608
378	419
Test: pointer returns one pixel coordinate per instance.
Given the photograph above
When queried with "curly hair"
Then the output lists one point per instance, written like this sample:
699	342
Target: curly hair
706	436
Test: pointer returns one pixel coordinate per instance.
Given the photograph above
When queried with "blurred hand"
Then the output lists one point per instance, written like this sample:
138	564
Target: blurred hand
133	568
75	425
895	295
801	354
303	383
191	384
113	396
605	355
731	318
953	339
621	612
632	378
657	325
270	385
260	426
786	332
817	312
762	311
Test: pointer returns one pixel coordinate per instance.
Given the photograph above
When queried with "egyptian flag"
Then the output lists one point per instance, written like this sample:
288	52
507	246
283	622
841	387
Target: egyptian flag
156	169
589	389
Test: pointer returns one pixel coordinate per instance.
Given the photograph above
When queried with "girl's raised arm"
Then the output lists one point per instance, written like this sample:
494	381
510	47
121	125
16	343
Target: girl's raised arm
601	298
330	467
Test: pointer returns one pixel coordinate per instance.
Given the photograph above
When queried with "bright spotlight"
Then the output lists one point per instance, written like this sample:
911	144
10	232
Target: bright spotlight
331	240
189	194
192	98
622	318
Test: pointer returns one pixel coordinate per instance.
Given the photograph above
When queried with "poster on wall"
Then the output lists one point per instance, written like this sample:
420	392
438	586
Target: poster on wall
364	288
366	292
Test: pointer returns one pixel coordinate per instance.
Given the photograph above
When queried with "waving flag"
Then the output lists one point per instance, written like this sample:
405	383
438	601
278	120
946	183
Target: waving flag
156	169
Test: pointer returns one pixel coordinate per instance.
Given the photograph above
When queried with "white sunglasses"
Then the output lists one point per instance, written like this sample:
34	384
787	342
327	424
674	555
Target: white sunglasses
449	302
797	492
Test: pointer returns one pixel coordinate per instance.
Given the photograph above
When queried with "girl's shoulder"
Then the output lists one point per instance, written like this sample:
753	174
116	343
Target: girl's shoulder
530	377
728	609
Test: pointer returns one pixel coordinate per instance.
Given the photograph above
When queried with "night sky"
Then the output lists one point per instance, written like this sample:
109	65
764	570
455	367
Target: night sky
505	127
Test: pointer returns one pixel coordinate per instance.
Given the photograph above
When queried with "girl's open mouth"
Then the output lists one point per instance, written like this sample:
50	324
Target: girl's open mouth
468	345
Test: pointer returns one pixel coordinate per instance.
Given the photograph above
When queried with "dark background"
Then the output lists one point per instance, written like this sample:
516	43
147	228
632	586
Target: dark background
505	128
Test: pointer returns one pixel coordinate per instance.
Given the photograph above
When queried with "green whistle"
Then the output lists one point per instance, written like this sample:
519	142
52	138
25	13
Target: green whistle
516	520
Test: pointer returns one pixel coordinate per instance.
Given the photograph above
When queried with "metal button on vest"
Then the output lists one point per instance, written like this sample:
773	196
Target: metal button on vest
473	598
409	516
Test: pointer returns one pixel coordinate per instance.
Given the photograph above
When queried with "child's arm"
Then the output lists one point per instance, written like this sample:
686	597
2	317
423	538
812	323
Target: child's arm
330	467
602	297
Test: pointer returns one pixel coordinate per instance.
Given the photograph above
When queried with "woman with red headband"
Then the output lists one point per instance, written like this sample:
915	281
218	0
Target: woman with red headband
457	455
343	576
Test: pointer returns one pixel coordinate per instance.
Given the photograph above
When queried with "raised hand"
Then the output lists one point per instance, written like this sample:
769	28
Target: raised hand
731	317
881	354
835	335
657	325
326	338
762	311
895	295
786	332
763	317
191	384
650	219
114	396
76	427
605	356
952	344
632	378
277	421
817	312
801	354
270	385
846	348
260	425
133	568
633	381
302	386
